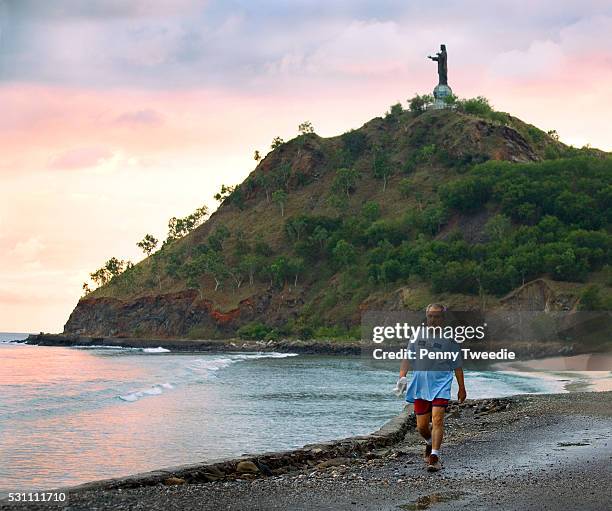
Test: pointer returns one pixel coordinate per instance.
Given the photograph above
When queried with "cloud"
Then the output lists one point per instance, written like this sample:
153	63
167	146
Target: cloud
99	9
146	116
80	158
10	297
29	249
579	49
245	45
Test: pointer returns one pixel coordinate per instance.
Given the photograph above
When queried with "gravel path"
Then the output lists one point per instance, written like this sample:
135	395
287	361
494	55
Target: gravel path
541	452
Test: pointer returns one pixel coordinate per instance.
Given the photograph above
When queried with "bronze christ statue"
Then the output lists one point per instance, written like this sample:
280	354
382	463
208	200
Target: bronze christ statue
440	58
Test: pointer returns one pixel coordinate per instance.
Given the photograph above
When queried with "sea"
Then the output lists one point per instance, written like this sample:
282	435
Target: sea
72	415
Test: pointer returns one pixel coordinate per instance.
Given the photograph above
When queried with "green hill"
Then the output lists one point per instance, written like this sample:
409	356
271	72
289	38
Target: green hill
470	206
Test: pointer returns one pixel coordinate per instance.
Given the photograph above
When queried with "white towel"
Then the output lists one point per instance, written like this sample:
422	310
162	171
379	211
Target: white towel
400	386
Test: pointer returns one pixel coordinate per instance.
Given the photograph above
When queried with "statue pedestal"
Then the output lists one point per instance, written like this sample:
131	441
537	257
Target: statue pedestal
441	92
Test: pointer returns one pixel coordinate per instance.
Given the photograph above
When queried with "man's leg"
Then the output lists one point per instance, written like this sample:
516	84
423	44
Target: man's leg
437	433
423	428
422	410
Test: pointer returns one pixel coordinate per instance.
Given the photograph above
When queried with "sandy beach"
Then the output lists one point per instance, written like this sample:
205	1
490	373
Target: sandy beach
527	452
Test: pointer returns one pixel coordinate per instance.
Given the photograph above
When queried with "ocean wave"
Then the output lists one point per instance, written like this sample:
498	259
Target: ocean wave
154	390
204	369
214	364
159	349
263	354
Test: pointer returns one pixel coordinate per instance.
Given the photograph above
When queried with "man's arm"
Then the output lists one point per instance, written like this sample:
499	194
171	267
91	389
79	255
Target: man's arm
404	366
402	382
461	394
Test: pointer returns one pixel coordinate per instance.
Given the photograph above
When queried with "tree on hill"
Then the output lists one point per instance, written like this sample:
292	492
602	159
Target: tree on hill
305	128
276	142
179	227
354	144
280	197
498	227
382	167
295	226
241	245
224	193
371	211
394	112
278	270
213	263
115	266
419	103
477	106
320	235
264	181
344	253
218	237
281	175
237	273
192	272
345	180
425	153
405	187
147	244
251	264
112	268
295	267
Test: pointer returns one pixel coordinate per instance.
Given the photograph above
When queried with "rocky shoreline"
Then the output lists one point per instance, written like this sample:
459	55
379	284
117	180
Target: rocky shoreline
520	452
311	347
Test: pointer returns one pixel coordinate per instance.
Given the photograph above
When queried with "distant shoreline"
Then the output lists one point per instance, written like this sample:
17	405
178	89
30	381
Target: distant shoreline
312	347
528	352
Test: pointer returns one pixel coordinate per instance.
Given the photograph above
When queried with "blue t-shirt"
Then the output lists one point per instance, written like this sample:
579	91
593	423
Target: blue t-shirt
432	379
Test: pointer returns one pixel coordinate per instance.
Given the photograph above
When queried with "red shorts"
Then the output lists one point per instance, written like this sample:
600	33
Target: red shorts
422	406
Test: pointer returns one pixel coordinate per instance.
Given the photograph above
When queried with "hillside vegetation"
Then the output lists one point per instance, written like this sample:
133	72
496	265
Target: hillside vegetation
461	205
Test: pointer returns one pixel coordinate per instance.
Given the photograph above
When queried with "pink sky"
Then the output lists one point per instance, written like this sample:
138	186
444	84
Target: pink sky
115	118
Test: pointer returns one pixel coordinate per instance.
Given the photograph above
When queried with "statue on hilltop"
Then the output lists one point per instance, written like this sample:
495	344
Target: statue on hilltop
441	58
442	92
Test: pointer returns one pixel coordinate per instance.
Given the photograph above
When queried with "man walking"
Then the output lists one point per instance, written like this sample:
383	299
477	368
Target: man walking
430	386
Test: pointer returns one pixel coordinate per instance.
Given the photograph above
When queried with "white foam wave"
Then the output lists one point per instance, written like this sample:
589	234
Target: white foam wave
154	390
205	368
263	354
101	346
214	364
159	349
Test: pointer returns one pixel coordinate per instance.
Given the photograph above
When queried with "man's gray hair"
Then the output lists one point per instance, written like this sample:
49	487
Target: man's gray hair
435	306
